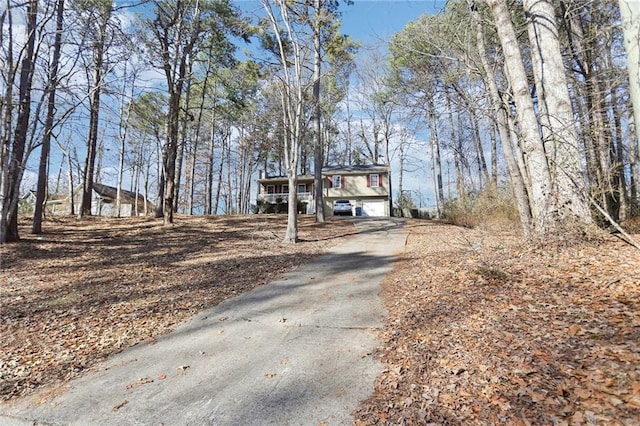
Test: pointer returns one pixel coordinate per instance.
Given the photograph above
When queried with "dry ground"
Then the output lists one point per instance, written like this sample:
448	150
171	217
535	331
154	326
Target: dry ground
86	289
481	328
485	330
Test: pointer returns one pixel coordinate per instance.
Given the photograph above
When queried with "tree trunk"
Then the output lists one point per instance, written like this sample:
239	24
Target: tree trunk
9	219
210	163
630	13
483	172
539	178
461	192
184	131
220	172
494	156
169	154
229	187
122	134
291	235
434	143
634	176
318	158
159	210
401	197
71	191
569	200
41	190
7	114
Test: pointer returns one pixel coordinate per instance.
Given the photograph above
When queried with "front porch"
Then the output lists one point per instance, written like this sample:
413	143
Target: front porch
273	194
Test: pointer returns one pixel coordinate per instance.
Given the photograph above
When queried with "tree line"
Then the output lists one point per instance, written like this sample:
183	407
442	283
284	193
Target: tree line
185	100
543	83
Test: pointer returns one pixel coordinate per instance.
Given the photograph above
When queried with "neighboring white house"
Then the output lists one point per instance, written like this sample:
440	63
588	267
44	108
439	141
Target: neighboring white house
103	202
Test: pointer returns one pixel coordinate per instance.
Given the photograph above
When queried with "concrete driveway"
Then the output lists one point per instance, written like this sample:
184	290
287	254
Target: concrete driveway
297	351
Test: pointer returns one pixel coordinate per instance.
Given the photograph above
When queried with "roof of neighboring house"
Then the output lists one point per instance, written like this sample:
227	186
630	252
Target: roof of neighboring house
31	194
356	169
111	192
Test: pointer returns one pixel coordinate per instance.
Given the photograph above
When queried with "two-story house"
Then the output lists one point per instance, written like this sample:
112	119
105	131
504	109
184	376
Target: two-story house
365	186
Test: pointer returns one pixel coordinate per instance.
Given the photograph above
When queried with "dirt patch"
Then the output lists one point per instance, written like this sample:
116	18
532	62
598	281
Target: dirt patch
87	289
484	330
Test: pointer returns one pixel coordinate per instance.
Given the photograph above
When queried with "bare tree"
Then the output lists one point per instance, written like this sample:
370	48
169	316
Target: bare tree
556	115
516	178
538	179
15	157
98	17
292	88
180	28
52	85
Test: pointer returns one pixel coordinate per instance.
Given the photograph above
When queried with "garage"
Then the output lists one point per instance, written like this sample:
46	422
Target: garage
373	208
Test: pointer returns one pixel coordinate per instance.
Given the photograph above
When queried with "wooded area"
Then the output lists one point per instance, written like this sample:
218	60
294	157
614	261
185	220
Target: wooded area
185	101
483	330
521	111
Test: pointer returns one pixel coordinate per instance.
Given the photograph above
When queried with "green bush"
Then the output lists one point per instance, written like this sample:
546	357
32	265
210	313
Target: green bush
25	207
280	207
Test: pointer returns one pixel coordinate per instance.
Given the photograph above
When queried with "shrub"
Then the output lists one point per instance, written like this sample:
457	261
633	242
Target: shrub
25	207
632	225
279	207
492	208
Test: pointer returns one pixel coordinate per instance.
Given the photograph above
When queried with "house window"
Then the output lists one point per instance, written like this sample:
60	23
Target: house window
337	182
271	189
302	188
285	189
374	180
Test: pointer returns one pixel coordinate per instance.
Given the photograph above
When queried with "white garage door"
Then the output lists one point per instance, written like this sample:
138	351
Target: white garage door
373	208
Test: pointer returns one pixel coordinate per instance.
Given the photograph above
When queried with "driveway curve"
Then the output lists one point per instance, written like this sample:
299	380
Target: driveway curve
297	351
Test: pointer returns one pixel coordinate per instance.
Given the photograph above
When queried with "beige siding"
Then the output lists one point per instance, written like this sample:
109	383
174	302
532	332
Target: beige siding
356	186
356	190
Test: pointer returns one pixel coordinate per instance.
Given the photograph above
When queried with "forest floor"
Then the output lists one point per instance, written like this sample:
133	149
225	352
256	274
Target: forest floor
481	327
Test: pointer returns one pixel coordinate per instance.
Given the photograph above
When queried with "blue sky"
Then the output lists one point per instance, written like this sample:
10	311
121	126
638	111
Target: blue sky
371	21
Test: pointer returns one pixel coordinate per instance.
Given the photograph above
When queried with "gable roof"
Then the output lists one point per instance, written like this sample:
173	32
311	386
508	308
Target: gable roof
331	170
356	169
110	192
284	179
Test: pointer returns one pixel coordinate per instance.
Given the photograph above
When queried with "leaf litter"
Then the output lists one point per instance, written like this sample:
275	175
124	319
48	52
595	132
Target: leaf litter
90	288
483	329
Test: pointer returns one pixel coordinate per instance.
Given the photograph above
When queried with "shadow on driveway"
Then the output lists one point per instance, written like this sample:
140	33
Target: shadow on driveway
295	351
